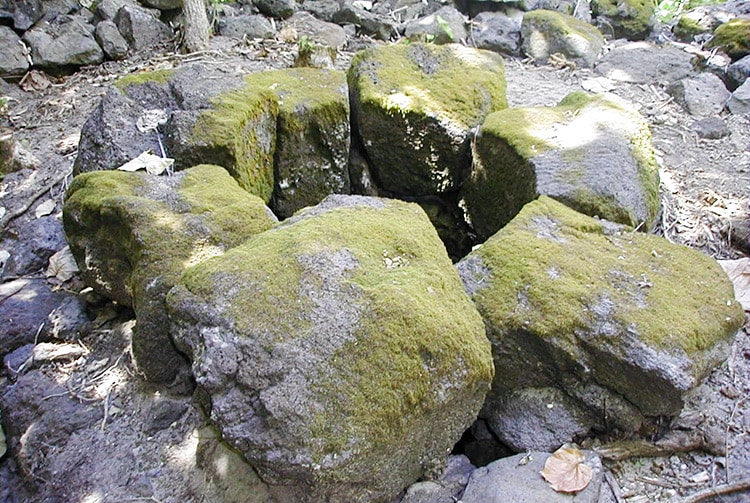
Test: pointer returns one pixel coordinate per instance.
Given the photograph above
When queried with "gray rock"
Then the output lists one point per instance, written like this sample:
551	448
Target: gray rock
645	63
701	96
246	25
739	102
42	237
711	128
110	136
13	62
107	9
367	22
27	304
517	479
62	47
305	342
112	42
320	32
445	26
574	304
162	413
497	32
738	72
456	475
312	136
162	4
107	212
523	152
68	320
545	33
279	9
22	13
418	146
55	8
325	10
140	28
536	418
427	492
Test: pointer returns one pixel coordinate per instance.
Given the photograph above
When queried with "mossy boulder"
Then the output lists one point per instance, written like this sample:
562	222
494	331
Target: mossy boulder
733	38
630	19
545	33
133	234
339	351
413	120
622	323
312	135
594	153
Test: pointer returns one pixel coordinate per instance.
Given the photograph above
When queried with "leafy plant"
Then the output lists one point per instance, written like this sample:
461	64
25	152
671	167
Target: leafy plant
446	27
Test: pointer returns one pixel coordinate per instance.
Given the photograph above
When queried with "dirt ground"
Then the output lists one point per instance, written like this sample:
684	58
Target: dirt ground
705	188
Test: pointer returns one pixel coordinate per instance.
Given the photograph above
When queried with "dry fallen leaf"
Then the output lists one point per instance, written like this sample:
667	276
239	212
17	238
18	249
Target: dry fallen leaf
45	208
288	35
62	265
565	470
153	164
34	81
739	272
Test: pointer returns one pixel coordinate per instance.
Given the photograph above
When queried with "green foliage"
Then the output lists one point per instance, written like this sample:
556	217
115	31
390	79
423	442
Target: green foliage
669	10
446	27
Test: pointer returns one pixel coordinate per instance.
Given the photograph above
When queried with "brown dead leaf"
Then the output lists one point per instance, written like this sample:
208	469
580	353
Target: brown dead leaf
739	272
62	266
565	470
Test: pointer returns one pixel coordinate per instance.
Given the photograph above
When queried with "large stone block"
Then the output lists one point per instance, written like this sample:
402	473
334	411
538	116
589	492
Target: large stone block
622	324
340	353
413	122
593	153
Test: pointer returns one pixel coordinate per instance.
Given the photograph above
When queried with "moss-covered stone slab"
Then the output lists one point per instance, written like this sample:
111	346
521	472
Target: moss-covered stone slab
312	135
594	153
133	234
339	351
630	19
414	105
622	323
733	38
545	33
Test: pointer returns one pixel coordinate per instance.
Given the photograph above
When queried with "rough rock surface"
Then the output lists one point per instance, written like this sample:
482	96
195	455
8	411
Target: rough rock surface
413	125
62	46
739	102
13	62
702	95
22	14
116	223
594	309
142	30
339	353
246	25
644	63
517	478
112	42
591	152
545	33
445	26
630	19
497	32
312	135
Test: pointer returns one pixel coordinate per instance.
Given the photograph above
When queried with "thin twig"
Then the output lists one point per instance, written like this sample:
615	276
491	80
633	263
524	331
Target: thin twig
12	215
711	492
614	486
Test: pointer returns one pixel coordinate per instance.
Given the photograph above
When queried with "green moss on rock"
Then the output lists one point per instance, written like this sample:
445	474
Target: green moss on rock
412	117
136	79
631	19
733	38
570	282
545	33
368	295
591	152
133	234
